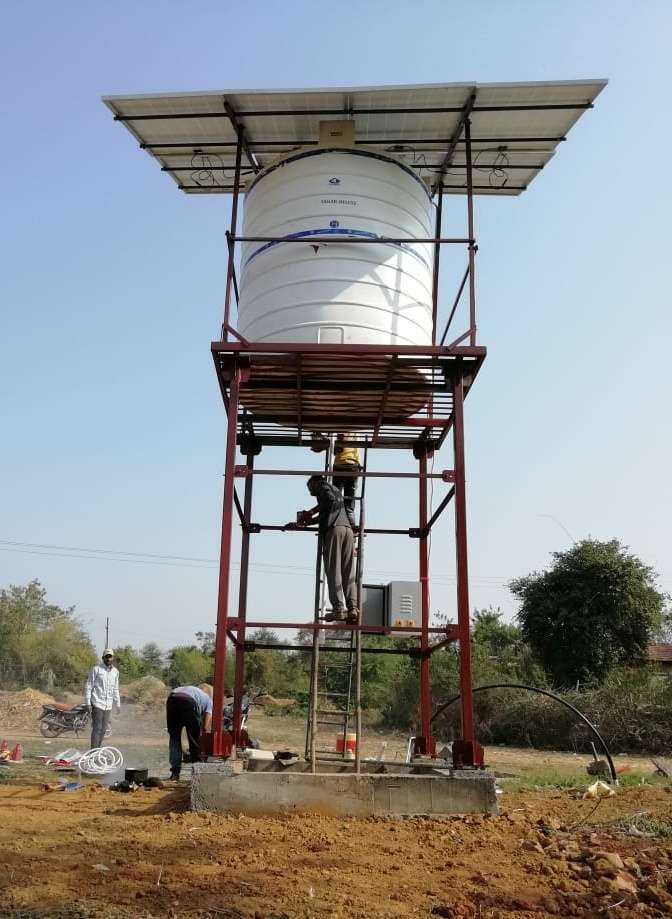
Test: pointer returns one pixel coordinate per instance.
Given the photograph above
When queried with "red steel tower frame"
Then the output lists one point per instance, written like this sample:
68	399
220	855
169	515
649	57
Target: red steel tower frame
408	398
243	366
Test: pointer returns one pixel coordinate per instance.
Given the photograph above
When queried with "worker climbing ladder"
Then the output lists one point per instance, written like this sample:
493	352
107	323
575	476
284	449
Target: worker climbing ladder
336	669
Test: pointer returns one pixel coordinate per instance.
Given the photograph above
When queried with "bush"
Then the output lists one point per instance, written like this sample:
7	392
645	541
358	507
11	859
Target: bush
630	710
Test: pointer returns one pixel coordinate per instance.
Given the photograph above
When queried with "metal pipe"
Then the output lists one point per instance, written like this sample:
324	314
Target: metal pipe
437	257
375	531
371	142
222	189
464	115
239	678
308	649
349	113
472	241
433	167
281	348
437	513
462	571
349	627
358	636
456	303
240	131
359	240
220	746
423	568
347	473
230	237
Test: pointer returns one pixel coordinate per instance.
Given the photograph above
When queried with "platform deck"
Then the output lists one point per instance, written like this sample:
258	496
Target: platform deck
388	397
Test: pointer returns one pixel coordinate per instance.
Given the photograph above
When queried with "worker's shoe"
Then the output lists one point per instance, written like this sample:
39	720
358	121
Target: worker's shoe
352	615
336	615
174	776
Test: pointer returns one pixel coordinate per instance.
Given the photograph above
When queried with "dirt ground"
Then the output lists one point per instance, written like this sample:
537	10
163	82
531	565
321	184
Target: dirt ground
98	853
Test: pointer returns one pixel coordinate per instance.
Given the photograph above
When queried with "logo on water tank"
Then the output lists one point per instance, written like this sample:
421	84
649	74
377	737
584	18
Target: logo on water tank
334	223
334	181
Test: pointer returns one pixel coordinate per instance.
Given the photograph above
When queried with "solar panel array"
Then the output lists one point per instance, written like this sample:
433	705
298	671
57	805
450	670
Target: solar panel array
515	129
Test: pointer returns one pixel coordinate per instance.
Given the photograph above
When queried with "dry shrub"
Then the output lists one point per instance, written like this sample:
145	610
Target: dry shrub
148	690
631	710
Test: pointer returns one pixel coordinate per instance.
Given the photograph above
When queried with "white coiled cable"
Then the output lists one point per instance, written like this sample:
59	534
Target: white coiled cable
100	761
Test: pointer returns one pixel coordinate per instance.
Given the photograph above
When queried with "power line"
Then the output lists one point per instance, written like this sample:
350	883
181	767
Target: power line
183	561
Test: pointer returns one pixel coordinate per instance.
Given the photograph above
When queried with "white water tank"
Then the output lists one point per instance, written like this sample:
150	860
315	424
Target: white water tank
337	292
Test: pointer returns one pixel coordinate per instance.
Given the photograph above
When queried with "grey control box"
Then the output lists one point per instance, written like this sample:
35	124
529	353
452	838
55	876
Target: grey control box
393	604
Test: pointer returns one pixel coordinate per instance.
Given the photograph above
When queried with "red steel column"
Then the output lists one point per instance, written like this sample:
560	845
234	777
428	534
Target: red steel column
470	234
232	245
462	570
221	741
426	746
437	258
239	680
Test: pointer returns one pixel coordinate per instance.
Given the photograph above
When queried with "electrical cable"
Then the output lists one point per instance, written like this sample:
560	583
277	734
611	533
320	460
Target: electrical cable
541	692
75	552
100	761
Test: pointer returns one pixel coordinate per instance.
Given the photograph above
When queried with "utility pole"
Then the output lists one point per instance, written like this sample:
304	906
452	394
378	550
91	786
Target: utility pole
107	632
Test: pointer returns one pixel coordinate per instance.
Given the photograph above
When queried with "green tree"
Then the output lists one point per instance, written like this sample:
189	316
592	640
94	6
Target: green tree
152	657
266	670
206	642
188	666
488	630
594	609
40	644
129	664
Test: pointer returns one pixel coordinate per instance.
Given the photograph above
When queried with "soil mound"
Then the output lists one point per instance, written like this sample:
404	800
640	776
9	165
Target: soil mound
21	709
148	690
266	698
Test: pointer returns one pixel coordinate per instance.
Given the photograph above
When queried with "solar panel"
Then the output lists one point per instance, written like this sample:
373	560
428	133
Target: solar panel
515	129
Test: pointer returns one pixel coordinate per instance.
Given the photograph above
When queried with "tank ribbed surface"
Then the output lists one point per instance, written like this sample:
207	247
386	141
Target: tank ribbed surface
337	292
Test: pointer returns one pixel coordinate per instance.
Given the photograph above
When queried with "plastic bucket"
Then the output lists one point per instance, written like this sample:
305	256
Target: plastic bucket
347	745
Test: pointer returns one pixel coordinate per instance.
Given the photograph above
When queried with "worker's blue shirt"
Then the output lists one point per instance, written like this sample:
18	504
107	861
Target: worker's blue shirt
202	699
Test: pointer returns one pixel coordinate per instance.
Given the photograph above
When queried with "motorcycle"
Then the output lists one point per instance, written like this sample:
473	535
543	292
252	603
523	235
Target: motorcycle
57	718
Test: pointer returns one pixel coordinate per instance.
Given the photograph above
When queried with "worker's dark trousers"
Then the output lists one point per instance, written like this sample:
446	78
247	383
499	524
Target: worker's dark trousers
99	722
338	546
347	485
182	712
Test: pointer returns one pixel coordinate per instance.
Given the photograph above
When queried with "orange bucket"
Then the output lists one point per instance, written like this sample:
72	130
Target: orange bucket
346	745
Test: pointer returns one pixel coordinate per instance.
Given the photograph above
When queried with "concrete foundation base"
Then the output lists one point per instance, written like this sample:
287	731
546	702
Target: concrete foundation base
219	786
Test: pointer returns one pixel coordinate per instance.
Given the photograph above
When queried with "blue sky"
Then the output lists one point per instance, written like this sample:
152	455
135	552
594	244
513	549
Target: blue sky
112	286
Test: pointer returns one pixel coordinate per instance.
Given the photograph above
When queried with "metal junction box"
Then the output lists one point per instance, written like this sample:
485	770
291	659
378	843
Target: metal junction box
393	604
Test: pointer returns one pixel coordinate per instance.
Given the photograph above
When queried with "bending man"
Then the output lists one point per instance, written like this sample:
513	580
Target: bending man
190	708
337	548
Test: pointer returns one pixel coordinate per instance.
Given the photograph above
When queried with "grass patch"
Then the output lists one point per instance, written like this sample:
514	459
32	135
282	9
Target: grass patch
559	778
546	778
639	823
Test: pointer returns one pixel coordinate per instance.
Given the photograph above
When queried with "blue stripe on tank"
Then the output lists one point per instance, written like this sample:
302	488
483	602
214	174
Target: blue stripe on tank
338	231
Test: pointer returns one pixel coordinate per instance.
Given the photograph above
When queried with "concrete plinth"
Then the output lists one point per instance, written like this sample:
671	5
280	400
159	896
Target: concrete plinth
217	787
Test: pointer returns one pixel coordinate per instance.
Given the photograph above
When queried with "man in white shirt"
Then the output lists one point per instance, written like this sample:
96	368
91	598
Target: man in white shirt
102	689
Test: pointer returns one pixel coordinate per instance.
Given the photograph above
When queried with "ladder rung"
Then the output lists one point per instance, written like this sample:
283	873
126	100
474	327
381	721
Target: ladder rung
333	694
